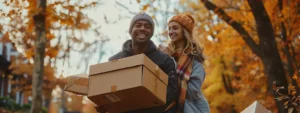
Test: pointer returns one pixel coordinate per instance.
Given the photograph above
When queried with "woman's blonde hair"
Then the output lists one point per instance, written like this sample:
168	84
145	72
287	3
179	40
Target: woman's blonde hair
190	44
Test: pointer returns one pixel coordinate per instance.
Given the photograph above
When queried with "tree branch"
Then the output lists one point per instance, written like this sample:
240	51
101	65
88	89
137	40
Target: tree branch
123	6
286	42
238	27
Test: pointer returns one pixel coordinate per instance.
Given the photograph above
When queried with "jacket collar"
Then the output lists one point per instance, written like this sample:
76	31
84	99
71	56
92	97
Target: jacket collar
127	47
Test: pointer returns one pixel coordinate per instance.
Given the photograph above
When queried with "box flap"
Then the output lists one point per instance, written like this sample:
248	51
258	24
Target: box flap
116	64
256	107
77	84
149	64
140	59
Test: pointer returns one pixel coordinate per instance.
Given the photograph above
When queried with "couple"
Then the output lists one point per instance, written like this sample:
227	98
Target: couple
185	77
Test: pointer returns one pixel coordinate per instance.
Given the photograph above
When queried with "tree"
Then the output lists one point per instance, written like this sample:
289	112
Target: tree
266	49
46	31
39	54
245	41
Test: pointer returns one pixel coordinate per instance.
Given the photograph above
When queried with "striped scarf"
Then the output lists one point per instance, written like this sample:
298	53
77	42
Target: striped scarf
184	69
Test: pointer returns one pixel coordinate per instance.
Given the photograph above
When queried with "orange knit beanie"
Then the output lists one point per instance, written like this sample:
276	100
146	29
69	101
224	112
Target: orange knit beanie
186	20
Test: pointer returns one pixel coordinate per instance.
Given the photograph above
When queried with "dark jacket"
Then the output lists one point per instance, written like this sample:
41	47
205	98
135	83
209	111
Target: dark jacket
166	63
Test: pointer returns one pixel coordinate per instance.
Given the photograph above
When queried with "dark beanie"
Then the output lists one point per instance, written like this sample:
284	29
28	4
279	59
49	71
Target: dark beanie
141	16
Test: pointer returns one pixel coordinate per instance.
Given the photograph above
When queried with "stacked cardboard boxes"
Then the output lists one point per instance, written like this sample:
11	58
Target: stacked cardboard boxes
122	85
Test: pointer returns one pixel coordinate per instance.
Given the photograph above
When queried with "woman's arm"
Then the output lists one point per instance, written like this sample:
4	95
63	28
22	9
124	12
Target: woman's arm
196	80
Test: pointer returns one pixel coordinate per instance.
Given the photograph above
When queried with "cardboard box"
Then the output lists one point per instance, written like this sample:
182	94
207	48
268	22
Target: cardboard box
77	84
127	84
256	107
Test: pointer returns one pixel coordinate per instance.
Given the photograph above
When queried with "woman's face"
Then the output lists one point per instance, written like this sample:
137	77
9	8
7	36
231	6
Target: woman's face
175	32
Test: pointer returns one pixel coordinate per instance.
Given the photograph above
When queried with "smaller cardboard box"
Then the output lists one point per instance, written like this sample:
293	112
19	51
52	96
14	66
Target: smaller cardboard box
127	84
77	84
255	107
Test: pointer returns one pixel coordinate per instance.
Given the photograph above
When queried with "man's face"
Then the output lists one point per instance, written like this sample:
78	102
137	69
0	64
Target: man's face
141	31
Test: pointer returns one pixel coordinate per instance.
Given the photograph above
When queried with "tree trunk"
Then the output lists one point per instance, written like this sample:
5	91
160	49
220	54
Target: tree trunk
39	53
274	70
267	48
270	55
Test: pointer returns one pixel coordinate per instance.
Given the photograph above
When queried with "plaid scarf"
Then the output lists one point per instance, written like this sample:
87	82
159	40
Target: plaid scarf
184	69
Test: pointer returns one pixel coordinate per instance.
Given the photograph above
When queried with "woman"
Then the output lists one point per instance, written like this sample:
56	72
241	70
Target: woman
189	58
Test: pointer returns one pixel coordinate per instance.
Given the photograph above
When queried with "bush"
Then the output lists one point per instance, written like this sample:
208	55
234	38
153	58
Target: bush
10	105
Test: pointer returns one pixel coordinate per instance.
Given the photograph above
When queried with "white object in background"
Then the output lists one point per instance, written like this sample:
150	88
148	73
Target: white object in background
256	107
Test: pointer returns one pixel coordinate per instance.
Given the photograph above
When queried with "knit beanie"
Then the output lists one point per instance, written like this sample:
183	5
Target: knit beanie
186	20
141	16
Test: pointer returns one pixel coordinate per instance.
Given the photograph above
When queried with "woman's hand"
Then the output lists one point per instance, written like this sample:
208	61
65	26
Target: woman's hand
164	49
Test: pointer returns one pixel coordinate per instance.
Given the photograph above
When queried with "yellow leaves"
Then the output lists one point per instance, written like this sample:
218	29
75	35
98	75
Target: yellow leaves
145	7
50	36
70	8
29	53
138	1
5	38
52	52
291	89
21	68
83	25
11	12
49	73
32	8
153	16
280	98
94	3
295	77
290	110
285	104
75	40
30	26
182	2
194	5
6	2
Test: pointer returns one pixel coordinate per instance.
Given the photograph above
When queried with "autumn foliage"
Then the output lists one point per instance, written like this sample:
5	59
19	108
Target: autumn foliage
228	31
63	21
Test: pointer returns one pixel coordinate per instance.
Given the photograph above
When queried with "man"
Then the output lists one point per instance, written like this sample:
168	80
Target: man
141	30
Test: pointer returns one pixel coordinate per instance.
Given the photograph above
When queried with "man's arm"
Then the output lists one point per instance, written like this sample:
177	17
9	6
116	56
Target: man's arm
172	90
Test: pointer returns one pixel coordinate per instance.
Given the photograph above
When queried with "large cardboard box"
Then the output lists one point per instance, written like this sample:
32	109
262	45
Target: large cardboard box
125	84
77	84
255	107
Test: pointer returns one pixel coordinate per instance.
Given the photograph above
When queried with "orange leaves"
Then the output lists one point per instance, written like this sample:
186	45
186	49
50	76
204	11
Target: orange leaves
32	8
70	8
145	7
75	40
83	25
29	53
21	68
49	73
5	38
50	36
182	2
68	22
52	52
295	77
6	3
11	12
30	26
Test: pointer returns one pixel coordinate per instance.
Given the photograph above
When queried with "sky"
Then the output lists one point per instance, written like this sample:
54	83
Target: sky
116	32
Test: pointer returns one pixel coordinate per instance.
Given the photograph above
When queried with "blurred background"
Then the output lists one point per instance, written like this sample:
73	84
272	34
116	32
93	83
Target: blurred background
248	44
